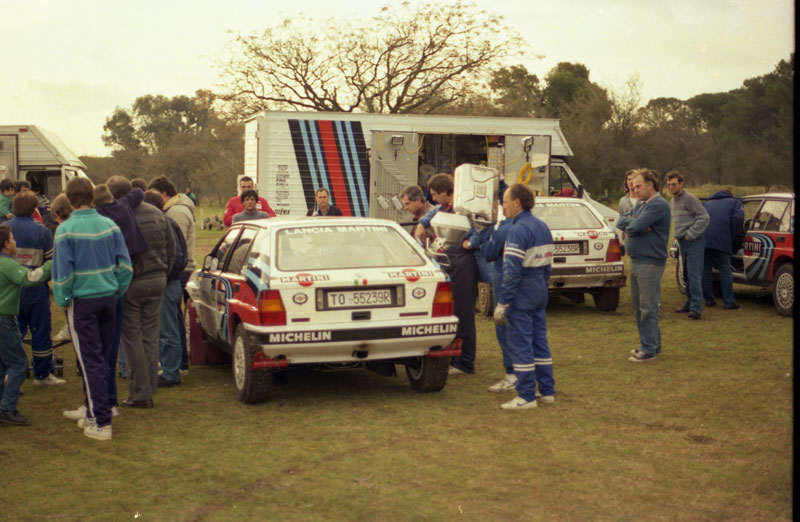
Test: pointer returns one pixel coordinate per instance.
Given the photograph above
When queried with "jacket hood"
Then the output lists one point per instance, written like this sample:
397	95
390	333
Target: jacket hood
180	199
720	194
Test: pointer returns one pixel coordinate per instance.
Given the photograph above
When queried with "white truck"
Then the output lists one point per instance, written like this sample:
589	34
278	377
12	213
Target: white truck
364	160
31	153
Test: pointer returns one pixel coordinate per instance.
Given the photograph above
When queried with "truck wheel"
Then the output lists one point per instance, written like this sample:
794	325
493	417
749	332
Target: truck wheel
252	385
783	289
679	274
607	299
428	374
200	350
485	299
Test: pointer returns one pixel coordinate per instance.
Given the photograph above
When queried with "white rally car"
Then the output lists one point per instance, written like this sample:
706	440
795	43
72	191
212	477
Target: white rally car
587	256
283	292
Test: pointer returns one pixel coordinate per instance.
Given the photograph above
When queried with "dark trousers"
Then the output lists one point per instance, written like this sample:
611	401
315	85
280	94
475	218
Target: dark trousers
91	322
34	314
463	274
184	277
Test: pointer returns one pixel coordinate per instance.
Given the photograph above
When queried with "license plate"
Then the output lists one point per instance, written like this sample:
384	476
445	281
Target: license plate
567	248
358	298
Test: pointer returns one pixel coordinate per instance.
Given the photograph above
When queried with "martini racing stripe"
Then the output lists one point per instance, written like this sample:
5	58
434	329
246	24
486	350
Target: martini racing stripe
366	334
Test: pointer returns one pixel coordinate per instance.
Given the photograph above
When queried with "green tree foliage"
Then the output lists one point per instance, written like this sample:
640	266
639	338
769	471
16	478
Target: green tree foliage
410	58
517	92
184	138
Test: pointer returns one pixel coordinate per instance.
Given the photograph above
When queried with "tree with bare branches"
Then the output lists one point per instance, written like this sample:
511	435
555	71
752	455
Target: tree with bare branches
410	58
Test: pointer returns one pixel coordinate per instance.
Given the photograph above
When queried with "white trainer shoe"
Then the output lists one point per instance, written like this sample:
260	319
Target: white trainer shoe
506	383
115	411
455	371
518	403
50	380
76	414
85	422
546	399
62	335
93	431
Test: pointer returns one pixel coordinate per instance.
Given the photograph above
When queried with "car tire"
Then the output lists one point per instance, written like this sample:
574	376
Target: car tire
200	350
679	274
252	385
606	299
485	299
428	374
783	289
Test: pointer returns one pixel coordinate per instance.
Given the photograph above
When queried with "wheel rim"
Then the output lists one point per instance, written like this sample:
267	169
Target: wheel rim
238	363
415	372
784	291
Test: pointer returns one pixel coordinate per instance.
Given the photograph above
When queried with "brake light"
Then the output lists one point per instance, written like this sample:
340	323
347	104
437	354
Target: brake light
442	300
614	252
270	308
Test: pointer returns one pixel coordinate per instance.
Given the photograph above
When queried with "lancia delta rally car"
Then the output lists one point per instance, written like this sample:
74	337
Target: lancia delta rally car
763	252
340	292
587	257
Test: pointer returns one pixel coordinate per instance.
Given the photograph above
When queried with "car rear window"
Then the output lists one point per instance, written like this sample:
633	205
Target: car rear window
329	247
566	215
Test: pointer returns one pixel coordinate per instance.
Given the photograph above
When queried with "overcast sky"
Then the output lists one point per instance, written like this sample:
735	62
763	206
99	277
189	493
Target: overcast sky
67	64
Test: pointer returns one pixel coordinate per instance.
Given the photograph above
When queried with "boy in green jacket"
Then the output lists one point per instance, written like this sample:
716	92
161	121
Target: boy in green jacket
13	360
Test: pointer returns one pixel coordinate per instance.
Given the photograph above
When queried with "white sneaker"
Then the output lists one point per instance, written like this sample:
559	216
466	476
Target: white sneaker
76	414
85	422
62	335
183	373
546	399
455	371
93	431
50	380
115	411
506	383
518	403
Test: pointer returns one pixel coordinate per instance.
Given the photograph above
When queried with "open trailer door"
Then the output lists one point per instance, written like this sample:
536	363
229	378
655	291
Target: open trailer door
393	165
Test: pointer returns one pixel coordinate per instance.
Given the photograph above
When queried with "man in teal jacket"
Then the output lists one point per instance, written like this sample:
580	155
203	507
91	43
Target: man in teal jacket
91	268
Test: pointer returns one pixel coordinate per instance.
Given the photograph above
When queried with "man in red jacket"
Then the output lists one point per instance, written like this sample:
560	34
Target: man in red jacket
234	205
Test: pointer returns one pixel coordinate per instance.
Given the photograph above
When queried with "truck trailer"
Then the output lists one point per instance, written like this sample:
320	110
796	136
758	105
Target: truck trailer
31	153
364	159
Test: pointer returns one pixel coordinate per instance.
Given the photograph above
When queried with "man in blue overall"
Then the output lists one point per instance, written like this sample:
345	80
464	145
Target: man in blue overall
523	298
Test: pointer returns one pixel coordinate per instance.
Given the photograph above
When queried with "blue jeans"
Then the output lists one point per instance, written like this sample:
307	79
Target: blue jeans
169	335
692	254
13	362
485	268
723	262
645	284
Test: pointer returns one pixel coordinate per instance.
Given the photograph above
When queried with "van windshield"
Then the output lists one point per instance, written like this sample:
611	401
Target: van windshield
327	247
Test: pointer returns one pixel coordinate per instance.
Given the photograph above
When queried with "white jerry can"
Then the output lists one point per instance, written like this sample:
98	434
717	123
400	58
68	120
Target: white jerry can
474	190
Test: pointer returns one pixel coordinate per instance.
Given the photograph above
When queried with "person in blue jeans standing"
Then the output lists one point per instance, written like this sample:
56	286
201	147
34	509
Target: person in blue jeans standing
691	220
13	361
726	218
646	227
523	298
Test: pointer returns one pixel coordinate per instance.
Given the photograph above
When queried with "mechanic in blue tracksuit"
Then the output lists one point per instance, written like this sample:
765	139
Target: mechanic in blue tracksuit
523	298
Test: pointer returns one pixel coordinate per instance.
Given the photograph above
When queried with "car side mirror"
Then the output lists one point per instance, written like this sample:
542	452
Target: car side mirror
207	262
580	192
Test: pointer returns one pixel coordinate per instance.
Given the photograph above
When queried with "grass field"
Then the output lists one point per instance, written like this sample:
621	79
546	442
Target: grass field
702	433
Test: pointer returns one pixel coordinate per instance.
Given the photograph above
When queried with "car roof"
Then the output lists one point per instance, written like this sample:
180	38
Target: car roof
774	195
283	221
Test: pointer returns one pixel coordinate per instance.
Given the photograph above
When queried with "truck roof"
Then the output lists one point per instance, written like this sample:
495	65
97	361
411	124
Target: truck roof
40	147
439	124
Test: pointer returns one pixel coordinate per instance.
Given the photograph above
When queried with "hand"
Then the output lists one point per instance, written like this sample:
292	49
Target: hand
466	245
500	313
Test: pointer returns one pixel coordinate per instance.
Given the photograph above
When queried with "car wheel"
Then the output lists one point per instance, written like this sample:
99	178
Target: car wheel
428	374
607	299
679	274
252	385
783	289
485	299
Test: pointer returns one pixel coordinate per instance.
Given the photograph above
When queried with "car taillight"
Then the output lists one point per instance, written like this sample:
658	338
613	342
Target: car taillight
442	300
614	252
270	308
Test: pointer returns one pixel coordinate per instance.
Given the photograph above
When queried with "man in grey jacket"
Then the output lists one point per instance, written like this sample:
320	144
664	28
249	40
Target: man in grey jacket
690	220
141	319
179	208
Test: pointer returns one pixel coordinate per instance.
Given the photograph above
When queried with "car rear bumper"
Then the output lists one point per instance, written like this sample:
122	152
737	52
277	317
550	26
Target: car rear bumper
305	344
587	276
